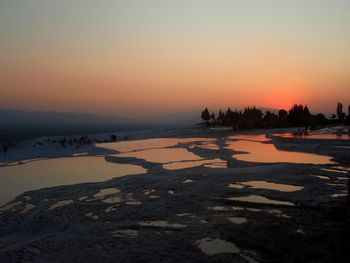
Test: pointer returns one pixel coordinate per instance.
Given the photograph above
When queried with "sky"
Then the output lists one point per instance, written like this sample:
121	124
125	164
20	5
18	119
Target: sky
135	58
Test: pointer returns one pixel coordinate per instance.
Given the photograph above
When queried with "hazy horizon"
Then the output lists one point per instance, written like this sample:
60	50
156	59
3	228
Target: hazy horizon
137	58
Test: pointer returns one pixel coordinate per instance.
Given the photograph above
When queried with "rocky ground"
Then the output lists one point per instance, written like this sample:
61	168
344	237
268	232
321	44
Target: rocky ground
190	215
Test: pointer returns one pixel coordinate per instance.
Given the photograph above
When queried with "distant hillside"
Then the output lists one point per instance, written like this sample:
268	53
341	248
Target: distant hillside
19	117
8	116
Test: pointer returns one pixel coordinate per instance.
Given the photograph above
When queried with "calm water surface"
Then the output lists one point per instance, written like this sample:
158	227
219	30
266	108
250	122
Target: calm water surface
268	153
327	136
17	179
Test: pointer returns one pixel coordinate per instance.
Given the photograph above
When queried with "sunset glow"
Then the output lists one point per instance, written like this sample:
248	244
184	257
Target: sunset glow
131	58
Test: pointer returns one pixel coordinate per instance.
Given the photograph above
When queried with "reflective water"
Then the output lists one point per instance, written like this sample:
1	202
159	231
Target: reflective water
131	233
211	246
60	204
106	191
267	185
214	163
161	223
237	220
163	155
327	136
268	153
320	177
249	137
259	199
17	179
209	146
127	146
334	170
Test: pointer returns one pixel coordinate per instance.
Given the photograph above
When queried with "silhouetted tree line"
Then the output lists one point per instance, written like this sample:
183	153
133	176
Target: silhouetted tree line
253	118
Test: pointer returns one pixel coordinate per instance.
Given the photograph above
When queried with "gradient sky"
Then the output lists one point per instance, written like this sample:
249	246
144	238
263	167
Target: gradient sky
130	58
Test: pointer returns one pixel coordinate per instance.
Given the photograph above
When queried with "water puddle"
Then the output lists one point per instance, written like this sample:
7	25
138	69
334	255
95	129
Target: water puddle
61	204
268	153
209	146
249	137
17	179
83	198
106	191
80	154
267	185
91	215
342	178
166	155
27	207
277	213
236	186
129	146
187	181
111	208
333	170
342	168
237	220
325	136
184	214
133	203
161	223
320	176
259	199
131	233
214	163
225	208
339	195
212	247
148	192
341	185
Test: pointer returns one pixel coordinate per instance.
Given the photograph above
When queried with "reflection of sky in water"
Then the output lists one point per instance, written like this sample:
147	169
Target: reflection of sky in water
214	163
127	146
262	152
259	199
316	136
163	155
249	137
266	185
61	171
16	179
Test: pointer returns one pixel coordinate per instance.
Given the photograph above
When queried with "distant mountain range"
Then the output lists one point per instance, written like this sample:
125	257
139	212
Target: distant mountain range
9	116
20	117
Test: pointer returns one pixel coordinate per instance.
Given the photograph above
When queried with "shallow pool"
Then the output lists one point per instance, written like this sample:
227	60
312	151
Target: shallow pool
268	153
17	179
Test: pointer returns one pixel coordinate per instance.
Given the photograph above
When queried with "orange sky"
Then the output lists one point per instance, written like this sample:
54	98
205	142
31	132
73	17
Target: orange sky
131	58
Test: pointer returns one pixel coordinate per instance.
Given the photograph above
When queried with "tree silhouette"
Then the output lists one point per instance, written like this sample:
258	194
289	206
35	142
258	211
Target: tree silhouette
340	113
206	116
299	115
212	117
253	118
283	118
348	117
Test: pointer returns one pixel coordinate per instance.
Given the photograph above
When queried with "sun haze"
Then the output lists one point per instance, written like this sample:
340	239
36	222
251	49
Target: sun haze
130	58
